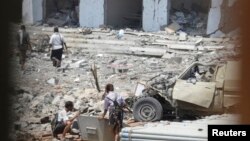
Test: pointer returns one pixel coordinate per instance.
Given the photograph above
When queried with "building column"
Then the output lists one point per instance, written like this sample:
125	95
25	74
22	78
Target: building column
91	13
27	12
32	11
214	16
155	14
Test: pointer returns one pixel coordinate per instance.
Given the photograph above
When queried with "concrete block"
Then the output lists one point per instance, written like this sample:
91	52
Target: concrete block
172	28
93	129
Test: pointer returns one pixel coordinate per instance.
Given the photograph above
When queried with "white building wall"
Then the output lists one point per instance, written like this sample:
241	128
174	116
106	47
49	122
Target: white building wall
37	10
155	14
32	11
214	16
91	13
27	14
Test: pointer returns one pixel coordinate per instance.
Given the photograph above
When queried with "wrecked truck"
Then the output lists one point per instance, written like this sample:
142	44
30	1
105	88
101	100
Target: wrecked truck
199	90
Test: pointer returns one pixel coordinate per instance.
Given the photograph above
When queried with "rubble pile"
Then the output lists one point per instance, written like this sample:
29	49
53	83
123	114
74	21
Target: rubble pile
62	18
192	22
41	90
46	94
60	13
28	118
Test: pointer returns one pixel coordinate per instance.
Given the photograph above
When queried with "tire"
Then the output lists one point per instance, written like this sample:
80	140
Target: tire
147	109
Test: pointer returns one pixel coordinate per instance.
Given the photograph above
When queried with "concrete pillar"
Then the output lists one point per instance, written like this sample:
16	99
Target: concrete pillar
32	11
155	14
214	16
37	10
27	15
91	13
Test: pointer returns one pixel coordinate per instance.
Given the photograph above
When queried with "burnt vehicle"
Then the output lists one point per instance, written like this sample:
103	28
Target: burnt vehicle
201	89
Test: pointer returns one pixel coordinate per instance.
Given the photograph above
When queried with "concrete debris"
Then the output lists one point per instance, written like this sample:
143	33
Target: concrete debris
189	21
78	64
56	100
62	18
53	81
199	41
168	55
69	98
182	36
77	80
120	34
58	22
177	60
172	28
120	66
86	31
40	43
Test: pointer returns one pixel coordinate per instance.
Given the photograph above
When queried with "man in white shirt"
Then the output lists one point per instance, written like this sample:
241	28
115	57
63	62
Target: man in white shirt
66	118
57	43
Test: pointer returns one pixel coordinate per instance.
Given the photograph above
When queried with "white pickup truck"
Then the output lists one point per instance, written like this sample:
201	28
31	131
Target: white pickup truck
201	89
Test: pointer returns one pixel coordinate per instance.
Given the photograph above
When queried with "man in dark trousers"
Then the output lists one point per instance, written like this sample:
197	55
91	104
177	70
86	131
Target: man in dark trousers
57	43
23	41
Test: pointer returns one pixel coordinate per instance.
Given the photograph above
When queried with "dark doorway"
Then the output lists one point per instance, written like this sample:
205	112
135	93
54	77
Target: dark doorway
61	12
123	13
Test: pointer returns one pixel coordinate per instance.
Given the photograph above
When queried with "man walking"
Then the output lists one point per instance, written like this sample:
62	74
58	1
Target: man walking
23	40
57	43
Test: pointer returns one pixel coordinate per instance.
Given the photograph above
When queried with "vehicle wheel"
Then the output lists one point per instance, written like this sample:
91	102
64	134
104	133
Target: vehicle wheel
147	109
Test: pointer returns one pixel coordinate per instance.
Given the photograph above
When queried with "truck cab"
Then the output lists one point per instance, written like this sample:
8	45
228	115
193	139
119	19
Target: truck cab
201	89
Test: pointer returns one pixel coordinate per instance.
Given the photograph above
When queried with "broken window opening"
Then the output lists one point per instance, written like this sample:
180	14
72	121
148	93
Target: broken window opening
124	13
61	12
191	15
199	73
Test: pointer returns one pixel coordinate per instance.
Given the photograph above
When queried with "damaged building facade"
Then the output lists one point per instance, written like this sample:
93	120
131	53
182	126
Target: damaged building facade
197	17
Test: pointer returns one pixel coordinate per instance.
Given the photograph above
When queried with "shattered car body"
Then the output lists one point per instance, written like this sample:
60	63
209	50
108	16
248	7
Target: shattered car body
201	89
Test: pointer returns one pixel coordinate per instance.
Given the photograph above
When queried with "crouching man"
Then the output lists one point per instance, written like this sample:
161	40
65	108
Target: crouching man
66	118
